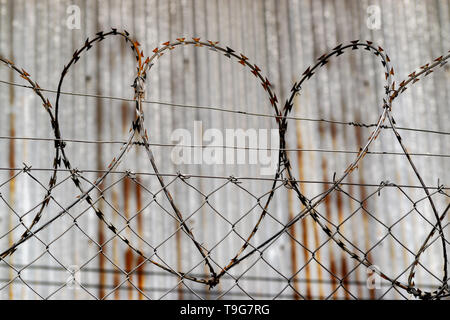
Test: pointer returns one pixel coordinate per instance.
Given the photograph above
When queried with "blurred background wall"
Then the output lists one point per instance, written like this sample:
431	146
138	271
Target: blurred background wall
283	38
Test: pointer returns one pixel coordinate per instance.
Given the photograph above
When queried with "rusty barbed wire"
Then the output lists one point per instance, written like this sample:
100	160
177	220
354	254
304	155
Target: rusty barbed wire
390	94
284	176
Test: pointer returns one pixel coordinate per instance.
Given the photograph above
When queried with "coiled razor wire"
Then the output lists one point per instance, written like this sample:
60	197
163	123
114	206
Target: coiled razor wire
138	135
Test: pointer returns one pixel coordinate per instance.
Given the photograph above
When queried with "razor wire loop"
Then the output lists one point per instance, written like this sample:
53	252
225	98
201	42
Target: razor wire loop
138	132
52	181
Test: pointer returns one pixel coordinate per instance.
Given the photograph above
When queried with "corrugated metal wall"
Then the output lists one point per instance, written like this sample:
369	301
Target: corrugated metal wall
282	38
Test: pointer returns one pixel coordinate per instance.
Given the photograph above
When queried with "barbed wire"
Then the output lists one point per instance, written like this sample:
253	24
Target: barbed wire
283	177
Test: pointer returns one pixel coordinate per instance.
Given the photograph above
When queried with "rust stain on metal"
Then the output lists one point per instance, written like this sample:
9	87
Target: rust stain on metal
339	201
99	153
129	255
344	269
129	252
140	260
306	257
304	224
116	276
179	256
363	195
354	231
314	225
124	108
12	192
319	267
12	160
179	264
